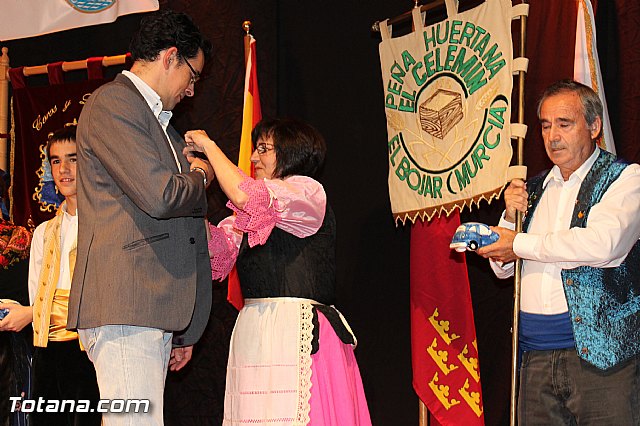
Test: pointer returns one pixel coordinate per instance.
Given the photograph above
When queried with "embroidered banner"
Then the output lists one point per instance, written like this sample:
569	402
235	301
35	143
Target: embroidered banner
447	91
30	18
37	111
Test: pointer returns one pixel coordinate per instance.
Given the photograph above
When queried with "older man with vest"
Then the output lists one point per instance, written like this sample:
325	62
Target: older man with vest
580	299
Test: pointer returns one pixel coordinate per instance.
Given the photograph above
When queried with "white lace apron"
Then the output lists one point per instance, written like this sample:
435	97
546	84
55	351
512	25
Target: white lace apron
269	368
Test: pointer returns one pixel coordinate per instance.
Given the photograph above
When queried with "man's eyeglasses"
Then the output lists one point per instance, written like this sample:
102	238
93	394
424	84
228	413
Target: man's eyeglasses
195	75
263	148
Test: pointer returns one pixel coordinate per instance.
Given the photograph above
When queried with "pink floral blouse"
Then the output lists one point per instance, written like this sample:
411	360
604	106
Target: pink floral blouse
295	204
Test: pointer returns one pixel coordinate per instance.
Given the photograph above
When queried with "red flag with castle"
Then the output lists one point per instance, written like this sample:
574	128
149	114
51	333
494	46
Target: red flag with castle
446	372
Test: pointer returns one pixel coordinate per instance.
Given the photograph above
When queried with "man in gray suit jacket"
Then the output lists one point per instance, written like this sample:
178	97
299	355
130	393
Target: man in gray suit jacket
142	279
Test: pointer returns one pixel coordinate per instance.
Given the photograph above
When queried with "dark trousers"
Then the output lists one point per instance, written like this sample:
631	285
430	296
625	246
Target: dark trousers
62	371
15	373
560	388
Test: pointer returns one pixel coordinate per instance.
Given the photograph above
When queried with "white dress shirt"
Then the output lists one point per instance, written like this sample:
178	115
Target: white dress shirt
155	103
549	246
68	236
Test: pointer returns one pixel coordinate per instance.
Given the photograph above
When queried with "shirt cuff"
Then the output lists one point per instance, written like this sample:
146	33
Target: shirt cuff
526	246
504	223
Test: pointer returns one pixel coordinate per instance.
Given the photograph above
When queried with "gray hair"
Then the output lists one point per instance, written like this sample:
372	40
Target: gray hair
591	104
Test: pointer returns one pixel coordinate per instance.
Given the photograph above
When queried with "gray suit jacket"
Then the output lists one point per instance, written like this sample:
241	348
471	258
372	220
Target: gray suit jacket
142	248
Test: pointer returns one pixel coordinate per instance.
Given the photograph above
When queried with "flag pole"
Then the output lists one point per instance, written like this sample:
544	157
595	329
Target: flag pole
423	411
424	414
517	273
250	115
246	26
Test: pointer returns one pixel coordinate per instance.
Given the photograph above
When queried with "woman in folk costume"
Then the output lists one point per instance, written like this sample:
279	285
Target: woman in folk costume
291	359
61	369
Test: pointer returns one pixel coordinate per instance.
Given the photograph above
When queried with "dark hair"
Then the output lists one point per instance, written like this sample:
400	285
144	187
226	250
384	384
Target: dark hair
65	134
299	147
591	104
165	29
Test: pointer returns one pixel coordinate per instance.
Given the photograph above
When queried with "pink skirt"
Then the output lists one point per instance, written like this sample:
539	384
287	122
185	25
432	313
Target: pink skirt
337	396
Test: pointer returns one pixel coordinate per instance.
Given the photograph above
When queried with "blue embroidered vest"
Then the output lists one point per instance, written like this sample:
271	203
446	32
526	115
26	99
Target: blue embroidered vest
604	303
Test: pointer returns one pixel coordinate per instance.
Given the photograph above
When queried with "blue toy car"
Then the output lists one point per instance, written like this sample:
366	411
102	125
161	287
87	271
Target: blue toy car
5	312
471	236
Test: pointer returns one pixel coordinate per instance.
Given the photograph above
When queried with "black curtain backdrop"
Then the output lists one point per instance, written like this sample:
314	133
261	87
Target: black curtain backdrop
318	61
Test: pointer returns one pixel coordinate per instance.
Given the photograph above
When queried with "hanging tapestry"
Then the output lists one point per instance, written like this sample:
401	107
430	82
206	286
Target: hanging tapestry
447	91
36	112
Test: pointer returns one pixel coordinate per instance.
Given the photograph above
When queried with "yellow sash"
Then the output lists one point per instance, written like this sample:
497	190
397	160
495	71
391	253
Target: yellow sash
59	311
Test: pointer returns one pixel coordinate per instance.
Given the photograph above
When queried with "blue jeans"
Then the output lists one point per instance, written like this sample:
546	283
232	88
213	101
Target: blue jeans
559	388
131	363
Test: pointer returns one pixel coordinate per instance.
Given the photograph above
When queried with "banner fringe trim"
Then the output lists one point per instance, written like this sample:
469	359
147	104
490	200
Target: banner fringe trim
430	213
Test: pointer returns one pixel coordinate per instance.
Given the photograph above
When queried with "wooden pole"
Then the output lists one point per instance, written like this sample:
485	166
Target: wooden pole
424	414
407	15
517	274
68	66
4	109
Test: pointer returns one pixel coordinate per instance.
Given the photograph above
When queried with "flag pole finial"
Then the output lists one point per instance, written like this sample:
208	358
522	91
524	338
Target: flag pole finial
246	25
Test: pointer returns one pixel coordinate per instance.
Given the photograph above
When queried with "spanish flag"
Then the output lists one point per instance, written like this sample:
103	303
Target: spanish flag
251	114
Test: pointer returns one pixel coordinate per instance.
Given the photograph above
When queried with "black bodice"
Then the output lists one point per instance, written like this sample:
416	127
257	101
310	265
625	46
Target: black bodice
288	266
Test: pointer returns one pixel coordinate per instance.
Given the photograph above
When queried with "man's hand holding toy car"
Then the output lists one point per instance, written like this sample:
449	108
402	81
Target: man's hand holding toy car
501	250
494	242
516	199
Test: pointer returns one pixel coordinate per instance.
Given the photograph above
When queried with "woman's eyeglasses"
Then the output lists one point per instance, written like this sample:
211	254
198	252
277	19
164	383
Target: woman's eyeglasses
263	148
